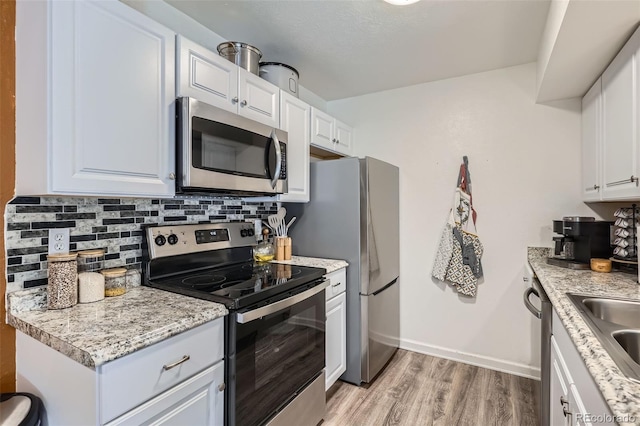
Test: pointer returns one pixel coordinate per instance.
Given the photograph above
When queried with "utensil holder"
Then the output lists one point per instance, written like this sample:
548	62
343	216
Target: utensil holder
283	248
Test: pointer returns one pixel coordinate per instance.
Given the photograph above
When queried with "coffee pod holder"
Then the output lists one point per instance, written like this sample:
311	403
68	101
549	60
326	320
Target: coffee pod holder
626	257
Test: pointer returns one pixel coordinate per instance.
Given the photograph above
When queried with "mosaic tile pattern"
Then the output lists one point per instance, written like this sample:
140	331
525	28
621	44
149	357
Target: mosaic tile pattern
621	394
112	224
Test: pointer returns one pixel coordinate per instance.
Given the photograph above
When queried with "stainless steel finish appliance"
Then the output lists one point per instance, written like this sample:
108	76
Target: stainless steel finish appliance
545	315
221	152
578	239
353	214
275	331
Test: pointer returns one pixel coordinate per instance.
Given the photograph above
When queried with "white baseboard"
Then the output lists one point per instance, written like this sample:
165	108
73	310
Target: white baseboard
472	359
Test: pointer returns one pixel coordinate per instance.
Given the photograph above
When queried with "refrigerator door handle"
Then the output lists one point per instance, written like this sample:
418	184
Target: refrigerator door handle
386	286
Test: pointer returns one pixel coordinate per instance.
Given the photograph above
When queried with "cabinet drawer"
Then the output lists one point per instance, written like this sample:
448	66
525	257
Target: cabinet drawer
131	380
337	283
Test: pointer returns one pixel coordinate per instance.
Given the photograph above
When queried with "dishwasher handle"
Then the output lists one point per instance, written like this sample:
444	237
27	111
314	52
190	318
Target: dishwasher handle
535	311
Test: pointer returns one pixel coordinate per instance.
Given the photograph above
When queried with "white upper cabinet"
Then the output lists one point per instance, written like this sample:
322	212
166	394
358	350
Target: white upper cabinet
294	119
206	76
344	137
210	78
322	130
95	100
592	143
330	134
621	165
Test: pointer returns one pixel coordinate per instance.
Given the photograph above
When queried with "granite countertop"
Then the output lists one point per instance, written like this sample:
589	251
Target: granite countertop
96	333
331	265
621	394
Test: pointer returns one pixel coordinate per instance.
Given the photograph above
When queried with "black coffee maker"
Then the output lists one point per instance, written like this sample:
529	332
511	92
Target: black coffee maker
578	239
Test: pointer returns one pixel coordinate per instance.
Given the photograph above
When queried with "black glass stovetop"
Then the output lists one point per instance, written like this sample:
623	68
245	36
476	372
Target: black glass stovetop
241	284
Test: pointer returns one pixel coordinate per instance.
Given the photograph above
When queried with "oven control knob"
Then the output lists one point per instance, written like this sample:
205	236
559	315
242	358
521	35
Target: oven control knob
160	240
250	232
243	233
172	239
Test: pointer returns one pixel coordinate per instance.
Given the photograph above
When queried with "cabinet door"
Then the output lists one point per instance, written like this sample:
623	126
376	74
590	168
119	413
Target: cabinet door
112	94
294	119
258	99
196	401
620	142
336	339
591	142
206	76
344	138
579	414
559	392
322	129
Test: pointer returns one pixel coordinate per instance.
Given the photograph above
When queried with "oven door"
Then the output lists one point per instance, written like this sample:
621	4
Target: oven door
274	352
219	151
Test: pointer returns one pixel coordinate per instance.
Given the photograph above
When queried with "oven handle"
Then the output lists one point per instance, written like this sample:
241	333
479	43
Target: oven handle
245	317
276	173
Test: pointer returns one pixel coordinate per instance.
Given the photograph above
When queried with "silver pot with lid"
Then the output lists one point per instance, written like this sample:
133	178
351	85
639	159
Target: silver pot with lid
242	54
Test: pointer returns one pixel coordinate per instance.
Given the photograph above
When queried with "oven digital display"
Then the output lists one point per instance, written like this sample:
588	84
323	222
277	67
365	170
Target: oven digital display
212	236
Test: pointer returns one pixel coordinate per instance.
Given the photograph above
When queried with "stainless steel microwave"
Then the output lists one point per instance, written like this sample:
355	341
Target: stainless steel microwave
220	152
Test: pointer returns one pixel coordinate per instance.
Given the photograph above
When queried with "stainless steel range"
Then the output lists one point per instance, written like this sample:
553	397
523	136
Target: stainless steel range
275	332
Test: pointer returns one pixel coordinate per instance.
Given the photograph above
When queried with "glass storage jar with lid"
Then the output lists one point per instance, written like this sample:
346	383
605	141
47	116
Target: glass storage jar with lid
62	284
90	280
115	281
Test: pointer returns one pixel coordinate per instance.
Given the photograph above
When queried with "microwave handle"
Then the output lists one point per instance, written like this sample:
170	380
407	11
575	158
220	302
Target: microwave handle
276	174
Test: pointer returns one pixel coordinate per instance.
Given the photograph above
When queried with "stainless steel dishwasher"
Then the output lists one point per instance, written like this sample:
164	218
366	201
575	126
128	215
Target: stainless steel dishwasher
544	314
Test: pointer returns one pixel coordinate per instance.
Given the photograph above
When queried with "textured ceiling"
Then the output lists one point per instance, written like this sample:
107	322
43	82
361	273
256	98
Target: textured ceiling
349	48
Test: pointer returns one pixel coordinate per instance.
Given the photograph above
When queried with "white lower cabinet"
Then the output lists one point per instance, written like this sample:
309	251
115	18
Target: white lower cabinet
336	327
179	381
196	401
574	397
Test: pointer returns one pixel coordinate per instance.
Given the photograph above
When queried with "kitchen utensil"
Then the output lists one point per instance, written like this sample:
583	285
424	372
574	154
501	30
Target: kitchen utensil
282	75
242	54
289	225
274	222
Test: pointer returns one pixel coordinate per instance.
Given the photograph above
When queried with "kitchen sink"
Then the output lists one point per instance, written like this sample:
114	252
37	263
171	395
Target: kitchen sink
616	324
623	312
630	342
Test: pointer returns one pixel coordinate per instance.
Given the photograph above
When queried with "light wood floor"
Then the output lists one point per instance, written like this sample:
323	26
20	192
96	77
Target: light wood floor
416	389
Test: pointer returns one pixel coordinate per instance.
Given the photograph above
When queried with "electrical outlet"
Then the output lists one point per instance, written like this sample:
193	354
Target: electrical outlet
58	240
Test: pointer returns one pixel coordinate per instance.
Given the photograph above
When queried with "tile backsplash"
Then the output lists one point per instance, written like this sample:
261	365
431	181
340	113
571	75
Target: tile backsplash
109	223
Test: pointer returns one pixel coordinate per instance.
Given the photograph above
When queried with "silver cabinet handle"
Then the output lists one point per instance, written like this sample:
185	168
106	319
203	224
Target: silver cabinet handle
177	363
622	182
335	285
234	100
172	176
243	103
222	387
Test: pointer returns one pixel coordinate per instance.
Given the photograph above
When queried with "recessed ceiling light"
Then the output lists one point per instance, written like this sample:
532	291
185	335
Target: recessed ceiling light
401	2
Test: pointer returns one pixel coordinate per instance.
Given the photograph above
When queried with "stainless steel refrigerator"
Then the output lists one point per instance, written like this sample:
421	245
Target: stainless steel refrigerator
353	215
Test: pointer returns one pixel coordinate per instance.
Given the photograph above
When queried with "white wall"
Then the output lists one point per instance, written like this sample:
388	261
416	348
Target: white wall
524	163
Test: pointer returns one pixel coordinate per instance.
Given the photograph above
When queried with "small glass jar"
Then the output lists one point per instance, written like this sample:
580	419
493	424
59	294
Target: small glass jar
90	280
264	251
62	284
115	281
